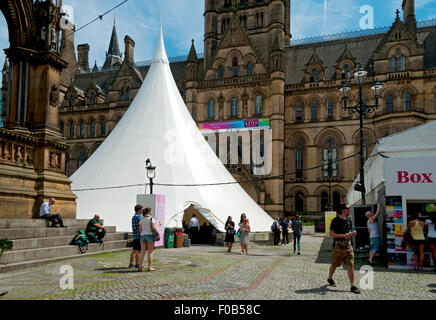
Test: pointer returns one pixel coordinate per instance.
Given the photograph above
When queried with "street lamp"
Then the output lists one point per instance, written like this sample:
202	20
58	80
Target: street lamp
362	109
151	173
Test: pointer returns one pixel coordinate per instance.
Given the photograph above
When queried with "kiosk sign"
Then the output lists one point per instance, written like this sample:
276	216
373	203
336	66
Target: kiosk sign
415	177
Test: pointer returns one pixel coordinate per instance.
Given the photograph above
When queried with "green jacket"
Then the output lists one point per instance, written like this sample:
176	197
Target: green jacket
91	225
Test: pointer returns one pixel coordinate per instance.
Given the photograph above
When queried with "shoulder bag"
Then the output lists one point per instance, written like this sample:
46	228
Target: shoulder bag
156	235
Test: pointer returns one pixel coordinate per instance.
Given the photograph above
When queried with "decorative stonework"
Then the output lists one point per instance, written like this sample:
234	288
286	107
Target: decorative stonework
19	153
54	96
6	151
54	160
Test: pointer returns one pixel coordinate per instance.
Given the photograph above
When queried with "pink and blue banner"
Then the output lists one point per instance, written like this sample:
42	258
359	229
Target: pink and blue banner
236	125
159	215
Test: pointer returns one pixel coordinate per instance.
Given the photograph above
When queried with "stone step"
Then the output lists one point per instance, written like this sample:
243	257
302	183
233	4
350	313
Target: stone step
39	223
28	233
14	256
33	243
39	262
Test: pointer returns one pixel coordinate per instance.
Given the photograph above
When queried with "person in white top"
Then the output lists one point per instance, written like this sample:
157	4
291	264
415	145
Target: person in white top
147	226
374	235
431	235
194	228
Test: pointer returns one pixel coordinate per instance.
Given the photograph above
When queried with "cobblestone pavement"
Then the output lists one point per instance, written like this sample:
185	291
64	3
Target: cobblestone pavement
207	272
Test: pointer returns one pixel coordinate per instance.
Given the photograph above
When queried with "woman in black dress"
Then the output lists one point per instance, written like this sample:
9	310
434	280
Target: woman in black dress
230	233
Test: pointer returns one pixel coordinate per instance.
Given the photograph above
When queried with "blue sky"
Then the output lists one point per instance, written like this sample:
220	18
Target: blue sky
183	20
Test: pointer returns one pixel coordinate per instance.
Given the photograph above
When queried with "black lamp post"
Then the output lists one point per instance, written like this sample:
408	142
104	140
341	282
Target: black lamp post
151	173
362	109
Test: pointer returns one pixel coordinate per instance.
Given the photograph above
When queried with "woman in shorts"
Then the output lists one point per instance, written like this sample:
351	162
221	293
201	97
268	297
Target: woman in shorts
147	226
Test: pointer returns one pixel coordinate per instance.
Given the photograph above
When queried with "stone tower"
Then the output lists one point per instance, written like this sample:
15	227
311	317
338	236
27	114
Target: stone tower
409	18
261	21
113	56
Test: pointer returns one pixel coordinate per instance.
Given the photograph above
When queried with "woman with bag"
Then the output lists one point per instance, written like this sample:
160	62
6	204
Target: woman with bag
147	228
415	227
431	235
230	233
244	229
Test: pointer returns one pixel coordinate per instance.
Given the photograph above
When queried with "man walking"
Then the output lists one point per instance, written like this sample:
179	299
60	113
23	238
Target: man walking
297	228
374	235
136	236
45	213
194	228
95	230
341	230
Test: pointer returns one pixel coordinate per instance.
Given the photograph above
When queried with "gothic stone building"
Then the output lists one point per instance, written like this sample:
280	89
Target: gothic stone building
252	69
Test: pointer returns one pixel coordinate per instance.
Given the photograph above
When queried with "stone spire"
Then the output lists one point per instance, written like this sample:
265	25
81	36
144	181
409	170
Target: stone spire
192	57
5	66
409	18
95	69
113	56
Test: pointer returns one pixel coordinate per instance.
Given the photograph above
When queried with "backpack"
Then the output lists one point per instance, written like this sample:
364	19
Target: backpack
81	240
274	226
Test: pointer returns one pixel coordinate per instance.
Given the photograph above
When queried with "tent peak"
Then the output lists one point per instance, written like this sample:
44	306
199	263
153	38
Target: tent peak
160	54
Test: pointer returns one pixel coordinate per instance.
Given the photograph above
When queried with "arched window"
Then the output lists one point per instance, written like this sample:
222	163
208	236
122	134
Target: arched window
393	64
72	101
82	128
299	159
92	99
257	20
407	101
324	201
211	109
258	105
299	111
261	19
330	108
336	201
128	94
402	63
314	75
314	110
62	127
249	68
234	107
81	158
346	72
389	101
103	127
330	154
92	128
72	129
220	72
235	66
123	95
299	202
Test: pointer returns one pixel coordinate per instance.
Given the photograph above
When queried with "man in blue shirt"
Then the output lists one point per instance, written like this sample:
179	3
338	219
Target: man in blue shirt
136	236
285	231
45	213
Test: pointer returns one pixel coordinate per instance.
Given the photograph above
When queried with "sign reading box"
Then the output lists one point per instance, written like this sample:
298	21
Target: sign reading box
415	177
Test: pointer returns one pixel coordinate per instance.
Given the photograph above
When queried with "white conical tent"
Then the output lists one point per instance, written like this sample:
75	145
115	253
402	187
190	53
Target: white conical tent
158	126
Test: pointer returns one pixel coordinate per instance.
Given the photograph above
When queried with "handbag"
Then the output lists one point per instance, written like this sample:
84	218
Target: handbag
238	234
407	236
156	235
231	232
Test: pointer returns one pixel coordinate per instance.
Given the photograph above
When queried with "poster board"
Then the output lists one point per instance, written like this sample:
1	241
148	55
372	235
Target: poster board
329	216
157	204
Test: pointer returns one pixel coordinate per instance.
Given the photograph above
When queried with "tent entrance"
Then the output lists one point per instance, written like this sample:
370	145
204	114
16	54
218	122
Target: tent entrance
207	232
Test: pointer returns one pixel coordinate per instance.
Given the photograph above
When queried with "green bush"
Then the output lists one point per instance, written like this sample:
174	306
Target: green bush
5	245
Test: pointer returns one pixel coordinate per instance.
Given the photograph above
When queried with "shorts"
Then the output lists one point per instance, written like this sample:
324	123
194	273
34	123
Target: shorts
137	244
147	238
431	240
374	244
342	255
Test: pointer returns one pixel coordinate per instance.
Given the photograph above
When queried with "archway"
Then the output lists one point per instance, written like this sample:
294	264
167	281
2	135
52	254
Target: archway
205	234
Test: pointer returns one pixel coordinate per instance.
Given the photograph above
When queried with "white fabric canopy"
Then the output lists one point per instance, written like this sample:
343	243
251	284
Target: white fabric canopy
157	125
418	141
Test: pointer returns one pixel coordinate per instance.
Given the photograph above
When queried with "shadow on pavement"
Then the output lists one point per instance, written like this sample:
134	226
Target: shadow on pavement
325	251
117	270
321	290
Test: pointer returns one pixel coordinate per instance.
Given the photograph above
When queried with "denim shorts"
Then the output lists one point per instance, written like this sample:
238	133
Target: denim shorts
374	244
147	238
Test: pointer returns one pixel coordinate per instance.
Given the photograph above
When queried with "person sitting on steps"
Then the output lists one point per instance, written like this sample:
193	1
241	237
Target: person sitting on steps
95	230
45	213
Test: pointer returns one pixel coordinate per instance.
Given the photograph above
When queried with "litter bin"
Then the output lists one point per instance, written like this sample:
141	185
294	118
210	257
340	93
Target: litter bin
179	238
169	237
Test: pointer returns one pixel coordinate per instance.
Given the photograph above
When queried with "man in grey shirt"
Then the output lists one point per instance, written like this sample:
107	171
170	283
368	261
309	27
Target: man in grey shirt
45	213
374	235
